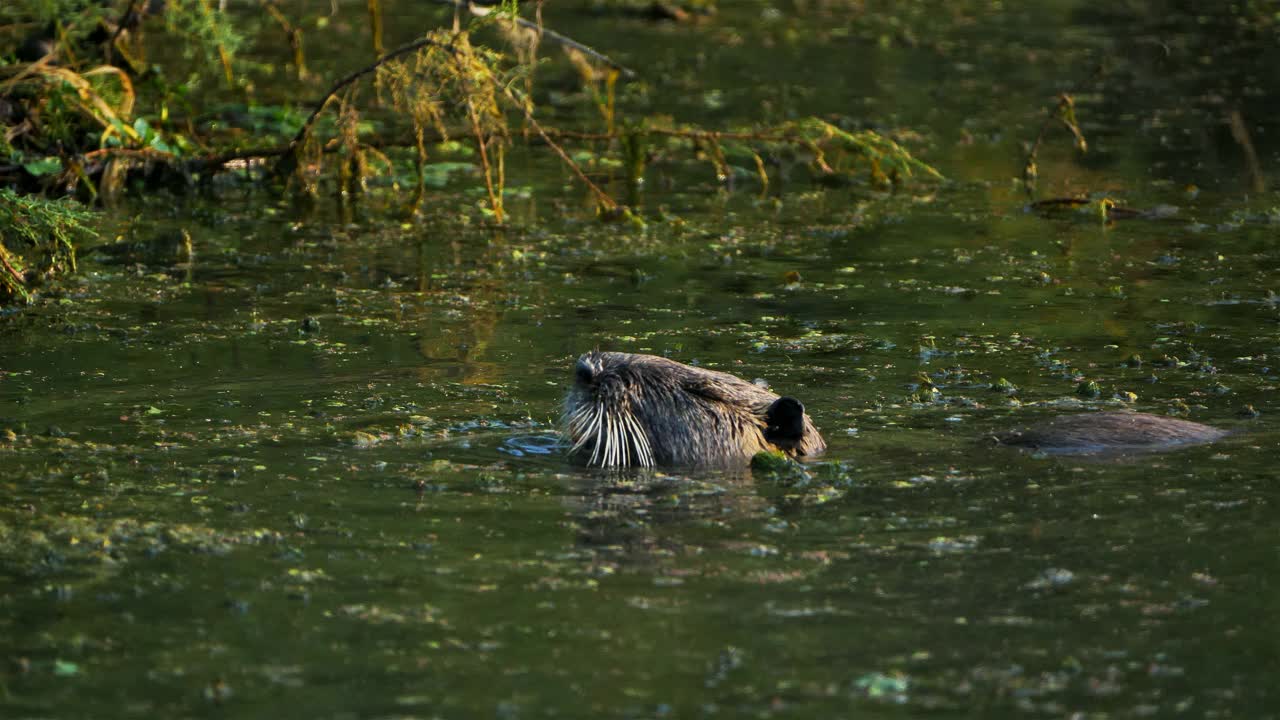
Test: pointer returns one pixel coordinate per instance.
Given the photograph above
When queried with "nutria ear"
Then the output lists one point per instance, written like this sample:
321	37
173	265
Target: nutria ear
583	371
784	421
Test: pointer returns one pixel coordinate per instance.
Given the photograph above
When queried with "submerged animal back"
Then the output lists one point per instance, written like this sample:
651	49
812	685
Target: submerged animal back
1104	431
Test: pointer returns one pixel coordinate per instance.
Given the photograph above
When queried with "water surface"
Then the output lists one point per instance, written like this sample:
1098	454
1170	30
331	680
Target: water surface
311	472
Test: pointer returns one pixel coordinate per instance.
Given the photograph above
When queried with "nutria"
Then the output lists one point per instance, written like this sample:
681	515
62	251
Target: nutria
1103	432
630	410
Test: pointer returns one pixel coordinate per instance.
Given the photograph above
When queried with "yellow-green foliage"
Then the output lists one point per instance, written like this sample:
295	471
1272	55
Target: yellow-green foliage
38	237
77	104
206	32
66	103
438	82
884	155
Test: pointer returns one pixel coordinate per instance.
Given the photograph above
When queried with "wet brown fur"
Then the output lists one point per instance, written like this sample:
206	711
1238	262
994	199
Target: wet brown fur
628	410
1101	432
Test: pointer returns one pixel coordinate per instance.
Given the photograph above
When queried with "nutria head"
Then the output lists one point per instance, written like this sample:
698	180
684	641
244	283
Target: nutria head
630	410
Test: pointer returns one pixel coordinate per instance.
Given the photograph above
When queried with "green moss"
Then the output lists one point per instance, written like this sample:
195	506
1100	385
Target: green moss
38	239
771	461
1088	388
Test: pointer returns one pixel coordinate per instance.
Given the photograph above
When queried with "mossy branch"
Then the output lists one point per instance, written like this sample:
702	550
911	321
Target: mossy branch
880	150
288	162
558	38
37	236
812	134
606	202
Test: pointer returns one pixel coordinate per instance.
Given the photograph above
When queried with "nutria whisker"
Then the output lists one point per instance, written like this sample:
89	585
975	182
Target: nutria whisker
610	444
642	442
585	425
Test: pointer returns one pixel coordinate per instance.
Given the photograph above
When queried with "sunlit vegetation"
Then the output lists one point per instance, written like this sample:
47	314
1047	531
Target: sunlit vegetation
86	113
109	97
38	239
95	102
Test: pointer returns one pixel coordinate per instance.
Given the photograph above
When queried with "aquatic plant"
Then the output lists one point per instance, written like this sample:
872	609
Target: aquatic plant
69	90
38	238
85	120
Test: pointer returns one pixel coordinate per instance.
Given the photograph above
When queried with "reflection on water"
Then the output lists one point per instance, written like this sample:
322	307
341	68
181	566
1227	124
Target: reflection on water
525	445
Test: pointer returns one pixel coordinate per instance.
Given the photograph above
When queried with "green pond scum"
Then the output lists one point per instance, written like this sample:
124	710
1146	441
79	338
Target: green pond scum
292	296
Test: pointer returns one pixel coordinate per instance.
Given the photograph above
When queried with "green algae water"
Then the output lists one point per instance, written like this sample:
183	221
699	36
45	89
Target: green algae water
310	470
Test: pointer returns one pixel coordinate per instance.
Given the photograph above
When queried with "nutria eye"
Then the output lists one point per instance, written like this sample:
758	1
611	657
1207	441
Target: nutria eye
583	372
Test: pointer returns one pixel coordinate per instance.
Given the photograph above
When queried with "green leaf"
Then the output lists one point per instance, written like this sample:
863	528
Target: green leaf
158	143
437	175
43	166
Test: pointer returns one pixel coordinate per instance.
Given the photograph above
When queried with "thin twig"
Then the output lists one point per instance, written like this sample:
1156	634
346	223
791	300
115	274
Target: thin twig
546	135
601	196
293	33
554	37
350	78
495	201
1240	133
111	44
17	276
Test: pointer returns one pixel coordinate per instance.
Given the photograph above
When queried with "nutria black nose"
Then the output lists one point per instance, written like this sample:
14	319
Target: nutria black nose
583	371
785	421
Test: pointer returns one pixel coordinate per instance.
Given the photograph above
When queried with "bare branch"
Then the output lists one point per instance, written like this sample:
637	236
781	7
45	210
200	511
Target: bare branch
552	35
